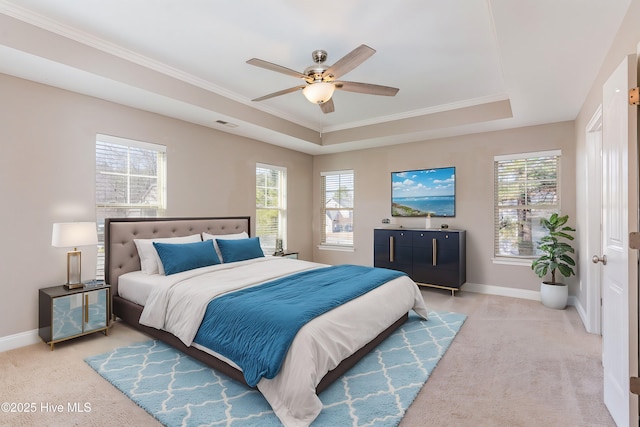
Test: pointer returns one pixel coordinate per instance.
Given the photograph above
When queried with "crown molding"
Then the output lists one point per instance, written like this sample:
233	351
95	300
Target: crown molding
421	112
25	15
48	24
90	40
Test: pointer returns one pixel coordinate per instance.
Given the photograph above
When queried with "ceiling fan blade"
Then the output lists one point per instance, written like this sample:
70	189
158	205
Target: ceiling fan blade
327	107
281	92
274	67
367	88
350	61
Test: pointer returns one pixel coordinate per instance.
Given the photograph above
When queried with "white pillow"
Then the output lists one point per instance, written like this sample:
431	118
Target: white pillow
236	236
149	260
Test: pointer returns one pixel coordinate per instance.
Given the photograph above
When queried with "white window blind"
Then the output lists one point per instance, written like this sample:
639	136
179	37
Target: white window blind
337	208
130	182
271	205
526	189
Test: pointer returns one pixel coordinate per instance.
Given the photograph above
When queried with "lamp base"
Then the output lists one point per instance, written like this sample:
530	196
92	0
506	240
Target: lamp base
69	286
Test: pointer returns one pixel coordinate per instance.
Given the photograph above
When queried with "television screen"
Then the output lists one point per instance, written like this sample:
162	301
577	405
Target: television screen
424	191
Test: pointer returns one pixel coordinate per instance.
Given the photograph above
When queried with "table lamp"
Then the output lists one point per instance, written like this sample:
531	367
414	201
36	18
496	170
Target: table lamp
74	234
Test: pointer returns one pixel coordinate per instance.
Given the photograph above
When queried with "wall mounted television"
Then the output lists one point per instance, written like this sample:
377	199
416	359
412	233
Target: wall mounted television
424	192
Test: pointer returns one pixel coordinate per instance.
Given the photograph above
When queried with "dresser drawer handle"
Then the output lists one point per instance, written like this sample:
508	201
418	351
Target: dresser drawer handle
434	247
391	254
86	308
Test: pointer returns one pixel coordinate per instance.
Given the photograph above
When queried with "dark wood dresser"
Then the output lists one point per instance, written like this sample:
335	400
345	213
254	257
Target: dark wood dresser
431	257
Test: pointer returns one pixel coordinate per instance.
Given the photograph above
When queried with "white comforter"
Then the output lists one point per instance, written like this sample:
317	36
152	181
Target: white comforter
179	302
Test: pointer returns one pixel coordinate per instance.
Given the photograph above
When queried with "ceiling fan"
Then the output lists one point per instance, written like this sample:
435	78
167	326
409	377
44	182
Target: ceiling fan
320	79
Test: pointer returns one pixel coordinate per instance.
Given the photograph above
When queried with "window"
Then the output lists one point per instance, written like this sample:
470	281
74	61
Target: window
130	182
526	189
337	209
271	206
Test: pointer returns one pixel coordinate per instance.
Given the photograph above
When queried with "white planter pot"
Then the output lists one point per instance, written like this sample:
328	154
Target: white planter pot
554	296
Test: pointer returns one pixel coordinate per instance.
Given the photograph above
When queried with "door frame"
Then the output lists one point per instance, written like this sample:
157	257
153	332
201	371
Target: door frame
592	285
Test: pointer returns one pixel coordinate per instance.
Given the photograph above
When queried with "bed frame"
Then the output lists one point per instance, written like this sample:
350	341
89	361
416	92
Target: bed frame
121	256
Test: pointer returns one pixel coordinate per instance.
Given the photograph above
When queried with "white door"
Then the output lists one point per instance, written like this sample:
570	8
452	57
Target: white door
619	216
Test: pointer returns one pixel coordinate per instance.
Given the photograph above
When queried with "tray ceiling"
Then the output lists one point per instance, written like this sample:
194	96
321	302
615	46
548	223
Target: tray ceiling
462	66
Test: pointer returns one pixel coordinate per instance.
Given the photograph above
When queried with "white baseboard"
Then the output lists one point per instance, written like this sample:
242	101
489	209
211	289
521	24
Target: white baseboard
501	291
31	337
574	301
582	312
19	340
509	292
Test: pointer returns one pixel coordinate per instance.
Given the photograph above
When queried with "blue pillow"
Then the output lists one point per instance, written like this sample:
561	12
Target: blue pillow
177	257
240	249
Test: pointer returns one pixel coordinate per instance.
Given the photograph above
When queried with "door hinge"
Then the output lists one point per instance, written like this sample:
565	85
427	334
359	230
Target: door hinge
634	385
634	240
634	96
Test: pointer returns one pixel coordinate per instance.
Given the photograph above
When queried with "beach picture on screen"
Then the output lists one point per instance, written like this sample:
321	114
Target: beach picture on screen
424	192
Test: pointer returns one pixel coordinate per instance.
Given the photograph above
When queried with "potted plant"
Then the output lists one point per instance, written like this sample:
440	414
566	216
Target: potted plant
555	256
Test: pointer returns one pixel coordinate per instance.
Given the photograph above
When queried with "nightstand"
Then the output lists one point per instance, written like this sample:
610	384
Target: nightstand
293	255
66	314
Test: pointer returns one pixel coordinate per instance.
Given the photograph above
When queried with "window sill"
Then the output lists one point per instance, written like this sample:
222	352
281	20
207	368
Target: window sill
524	262
336	248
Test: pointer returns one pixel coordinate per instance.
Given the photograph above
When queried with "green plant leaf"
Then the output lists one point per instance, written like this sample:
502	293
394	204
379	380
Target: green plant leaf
565	247
541	270
561	220
565	270
568	260
561	234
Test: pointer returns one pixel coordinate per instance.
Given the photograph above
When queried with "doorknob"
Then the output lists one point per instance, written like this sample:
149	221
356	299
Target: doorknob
596	259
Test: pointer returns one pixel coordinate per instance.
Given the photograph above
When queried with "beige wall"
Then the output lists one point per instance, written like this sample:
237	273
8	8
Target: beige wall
47	175
472	155
47	167
625	43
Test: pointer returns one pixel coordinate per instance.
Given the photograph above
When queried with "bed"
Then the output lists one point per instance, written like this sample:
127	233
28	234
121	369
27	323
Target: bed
360	324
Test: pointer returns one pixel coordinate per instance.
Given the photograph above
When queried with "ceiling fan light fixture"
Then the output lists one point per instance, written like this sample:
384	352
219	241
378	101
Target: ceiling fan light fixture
319	93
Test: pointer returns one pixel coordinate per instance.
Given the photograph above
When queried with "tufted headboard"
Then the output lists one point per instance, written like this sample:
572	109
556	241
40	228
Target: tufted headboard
121	255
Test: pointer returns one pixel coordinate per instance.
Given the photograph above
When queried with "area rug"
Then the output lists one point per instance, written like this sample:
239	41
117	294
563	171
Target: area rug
180	391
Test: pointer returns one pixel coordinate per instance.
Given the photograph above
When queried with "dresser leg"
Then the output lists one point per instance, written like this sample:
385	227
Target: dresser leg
448	288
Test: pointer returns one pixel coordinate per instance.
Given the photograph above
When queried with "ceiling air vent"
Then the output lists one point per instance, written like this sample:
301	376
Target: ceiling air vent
227	124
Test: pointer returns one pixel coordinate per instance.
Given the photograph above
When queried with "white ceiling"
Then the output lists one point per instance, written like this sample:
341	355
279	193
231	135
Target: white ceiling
462	66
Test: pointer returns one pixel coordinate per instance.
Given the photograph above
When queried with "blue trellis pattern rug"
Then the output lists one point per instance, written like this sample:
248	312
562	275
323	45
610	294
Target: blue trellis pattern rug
180	391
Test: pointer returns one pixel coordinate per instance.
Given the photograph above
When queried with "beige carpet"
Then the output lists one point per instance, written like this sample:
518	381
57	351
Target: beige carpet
514	363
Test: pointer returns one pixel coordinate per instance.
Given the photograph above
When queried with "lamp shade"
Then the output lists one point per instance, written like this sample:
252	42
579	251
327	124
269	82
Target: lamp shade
74	234
319	93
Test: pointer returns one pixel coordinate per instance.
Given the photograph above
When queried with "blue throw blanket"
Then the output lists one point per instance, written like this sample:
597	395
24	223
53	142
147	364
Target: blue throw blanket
255	326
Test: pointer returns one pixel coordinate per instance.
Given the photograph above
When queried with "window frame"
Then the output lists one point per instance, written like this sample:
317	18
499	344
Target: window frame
145	209
281	232
548	208
324	244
